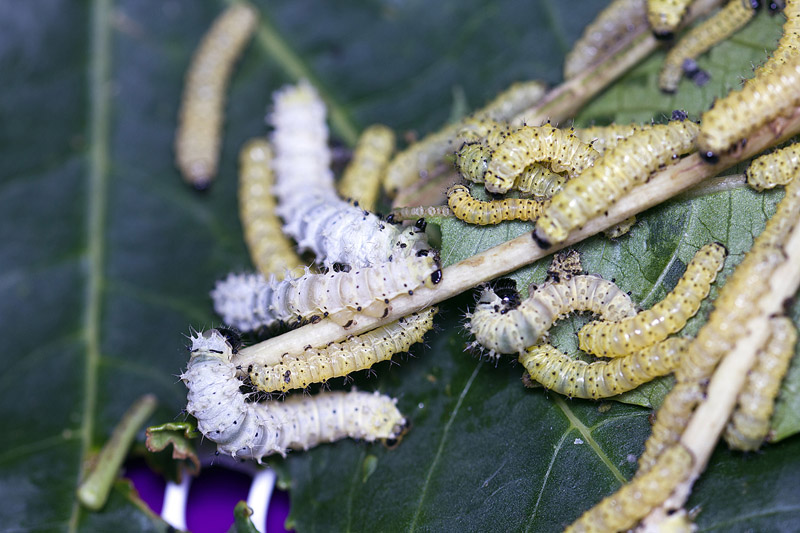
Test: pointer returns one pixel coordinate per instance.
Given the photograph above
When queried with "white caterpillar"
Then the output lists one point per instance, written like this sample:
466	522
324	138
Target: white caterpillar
504	325
255	430
333	229
250	301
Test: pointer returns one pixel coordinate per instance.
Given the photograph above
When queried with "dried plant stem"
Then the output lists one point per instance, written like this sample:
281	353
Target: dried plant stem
521	251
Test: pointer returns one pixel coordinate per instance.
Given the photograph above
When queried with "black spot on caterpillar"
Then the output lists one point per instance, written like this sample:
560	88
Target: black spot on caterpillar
601	38
474	211
646	328
749	423
632	502
601	379
562	149
501	329
318	365
778	168
198	139
361	180
731	18
665	15
421	158
621	168
248	429
250	301
270	250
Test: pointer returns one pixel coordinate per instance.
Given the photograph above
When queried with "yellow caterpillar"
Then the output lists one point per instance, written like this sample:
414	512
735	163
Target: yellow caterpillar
666	15
778	168
474	211
318	365
562	149
604	137
681	58
621	168
632	502
749	423
601	379
629	335
271	252
198	139
361	180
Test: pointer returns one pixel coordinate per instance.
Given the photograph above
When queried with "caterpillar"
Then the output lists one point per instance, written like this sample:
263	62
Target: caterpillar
665	16
632	502
737	115
601	379
565	263
787	48
416	212
270	250
604	137
749	423
198	139
315	217
509	326
629	335
474	211
318	365
618	230
681	58
603	35
621	168
537	180
531	144
250	301
421	158
248	429
734	306
778	168
361	180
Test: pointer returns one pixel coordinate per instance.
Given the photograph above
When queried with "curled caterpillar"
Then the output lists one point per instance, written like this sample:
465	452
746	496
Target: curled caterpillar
537	180
565	263
602	37
604	137
504	325
315	217
198	139
250	301
615	339
361	180
421	158
531	144
270	250
681	58
737	115
621	168
736	303
778	168
632	502
474	211
749	423
249	429
601	379
666	15
318	365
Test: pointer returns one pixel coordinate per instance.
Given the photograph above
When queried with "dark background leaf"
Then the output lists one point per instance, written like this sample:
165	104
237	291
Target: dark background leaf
108	258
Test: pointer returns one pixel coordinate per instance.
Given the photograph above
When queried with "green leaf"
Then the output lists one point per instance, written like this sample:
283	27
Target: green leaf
108	258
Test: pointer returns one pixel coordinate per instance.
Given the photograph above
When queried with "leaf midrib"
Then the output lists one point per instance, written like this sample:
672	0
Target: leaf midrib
96	201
